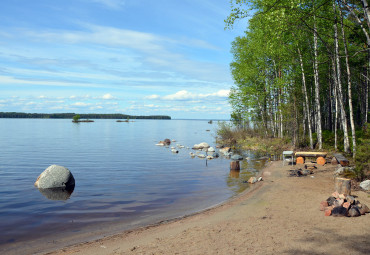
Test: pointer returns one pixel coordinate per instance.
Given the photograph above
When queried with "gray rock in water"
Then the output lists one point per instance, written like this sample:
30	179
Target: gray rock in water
354	211
57	193
365	185
236	157
339	211
211	149
55	177
252	180
215	155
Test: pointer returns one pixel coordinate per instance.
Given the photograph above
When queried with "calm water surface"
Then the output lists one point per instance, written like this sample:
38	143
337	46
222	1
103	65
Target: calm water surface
122	179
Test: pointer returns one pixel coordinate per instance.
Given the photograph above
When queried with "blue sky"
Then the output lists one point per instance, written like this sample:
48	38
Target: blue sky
138	57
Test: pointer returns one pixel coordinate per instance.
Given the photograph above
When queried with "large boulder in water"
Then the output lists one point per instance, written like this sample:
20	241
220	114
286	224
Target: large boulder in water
55	177
57	193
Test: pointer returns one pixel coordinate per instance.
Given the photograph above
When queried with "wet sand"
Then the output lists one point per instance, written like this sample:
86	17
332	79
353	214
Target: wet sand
279	215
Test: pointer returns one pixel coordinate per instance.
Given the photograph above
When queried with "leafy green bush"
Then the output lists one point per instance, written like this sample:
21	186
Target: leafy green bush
76	118
362	158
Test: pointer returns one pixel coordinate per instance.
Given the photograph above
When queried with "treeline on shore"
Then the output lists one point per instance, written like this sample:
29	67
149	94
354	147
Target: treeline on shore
301	70
82	116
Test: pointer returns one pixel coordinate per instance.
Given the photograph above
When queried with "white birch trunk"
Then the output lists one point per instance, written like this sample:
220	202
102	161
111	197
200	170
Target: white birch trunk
336	106
306	108
339	85
317	89
353	128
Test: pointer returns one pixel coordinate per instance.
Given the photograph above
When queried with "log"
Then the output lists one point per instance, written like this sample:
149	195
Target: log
234	165
321	161
341	159
300	160
310	154
342	186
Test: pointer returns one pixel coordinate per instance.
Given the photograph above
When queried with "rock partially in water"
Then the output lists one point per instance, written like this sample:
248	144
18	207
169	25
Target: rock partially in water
57	193
236	157
55	177
201	146
225	150
215	155
211	149
252	180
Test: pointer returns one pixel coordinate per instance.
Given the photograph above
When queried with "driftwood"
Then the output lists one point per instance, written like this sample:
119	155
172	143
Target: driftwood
341	159
342	186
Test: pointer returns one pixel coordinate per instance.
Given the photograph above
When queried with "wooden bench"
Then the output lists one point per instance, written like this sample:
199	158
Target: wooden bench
319	156
339	159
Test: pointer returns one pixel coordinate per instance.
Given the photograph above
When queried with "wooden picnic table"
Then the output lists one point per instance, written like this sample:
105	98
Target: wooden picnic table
320	156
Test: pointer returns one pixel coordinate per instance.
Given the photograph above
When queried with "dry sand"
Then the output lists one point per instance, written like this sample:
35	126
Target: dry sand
279	215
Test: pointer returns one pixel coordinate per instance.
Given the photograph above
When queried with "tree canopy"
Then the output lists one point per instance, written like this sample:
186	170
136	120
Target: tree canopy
302	67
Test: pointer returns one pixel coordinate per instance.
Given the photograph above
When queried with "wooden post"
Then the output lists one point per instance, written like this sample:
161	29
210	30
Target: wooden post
320	161
234	165
300	160
342	185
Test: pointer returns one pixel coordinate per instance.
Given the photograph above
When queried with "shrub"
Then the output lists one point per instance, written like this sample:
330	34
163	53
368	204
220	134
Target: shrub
362	158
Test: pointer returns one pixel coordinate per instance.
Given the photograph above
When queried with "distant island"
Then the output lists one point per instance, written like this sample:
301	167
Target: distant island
23	115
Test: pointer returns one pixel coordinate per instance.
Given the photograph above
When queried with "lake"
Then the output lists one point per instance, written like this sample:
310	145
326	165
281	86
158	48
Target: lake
123	180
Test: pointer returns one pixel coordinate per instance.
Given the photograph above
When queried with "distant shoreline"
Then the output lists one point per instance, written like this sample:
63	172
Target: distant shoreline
22	115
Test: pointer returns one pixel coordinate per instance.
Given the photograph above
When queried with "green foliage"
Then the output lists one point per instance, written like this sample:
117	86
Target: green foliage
76	118
362	159
268	78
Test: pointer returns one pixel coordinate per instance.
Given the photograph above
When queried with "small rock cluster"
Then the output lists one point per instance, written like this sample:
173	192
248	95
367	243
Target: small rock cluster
300	172
254	180
340	205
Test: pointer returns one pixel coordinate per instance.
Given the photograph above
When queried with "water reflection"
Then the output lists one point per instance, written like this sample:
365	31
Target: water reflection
57	193
234	173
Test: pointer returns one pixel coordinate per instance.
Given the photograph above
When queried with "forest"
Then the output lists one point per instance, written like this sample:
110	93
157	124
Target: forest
301	70
83	116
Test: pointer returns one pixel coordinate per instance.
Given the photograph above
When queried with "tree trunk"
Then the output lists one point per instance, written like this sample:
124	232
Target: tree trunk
339	84
353	128
307	108
342	186
366	12
336	107
317	89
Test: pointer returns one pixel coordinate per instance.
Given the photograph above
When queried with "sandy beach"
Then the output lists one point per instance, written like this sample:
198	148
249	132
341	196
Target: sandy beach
279	215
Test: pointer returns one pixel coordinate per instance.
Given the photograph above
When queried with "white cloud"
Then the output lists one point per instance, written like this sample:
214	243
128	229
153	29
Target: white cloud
80	104
151	97
183	95
108	97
